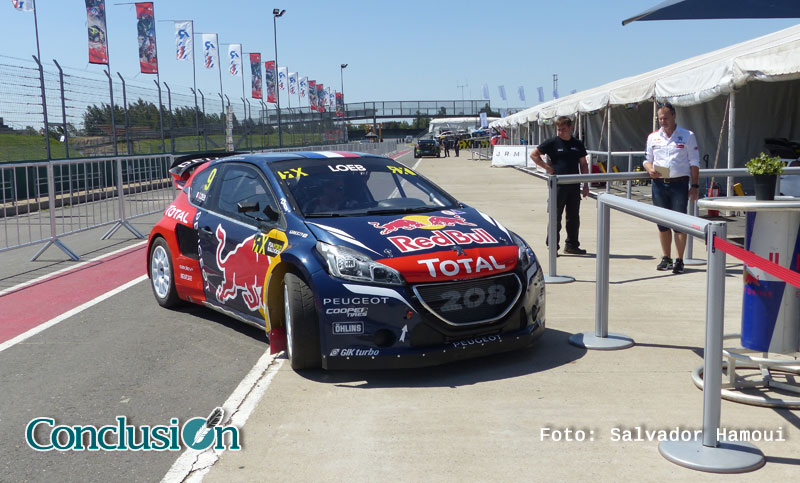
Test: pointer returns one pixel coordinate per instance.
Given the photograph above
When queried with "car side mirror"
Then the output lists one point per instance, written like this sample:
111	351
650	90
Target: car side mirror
247	207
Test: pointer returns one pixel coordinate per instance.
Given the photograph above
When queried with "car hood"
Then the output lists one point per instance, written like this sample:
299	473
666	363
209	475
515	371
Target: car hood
436	246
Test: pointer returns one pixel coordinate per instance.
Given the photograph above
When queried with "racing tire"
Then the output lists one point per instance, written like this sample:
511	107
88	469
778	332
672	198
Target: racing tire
415	154
162	275
302	325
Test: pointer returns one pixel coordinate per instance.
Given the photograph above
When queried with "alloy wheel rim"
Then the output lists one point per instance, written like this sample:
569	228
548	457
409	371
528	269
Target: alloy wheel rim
159	272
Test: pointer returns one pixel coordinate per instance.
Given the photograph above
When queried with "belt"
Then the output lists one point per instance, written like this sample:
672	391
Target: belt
675	180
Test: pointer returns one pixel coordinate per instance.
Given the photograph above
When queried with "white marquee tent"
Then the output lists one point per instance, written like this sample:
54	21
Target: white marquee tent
751	88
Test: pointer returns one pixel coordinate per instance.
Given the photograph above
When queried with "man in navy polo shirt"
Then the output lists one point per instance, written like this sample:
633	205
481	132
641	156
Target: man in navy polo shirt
672	150
565	155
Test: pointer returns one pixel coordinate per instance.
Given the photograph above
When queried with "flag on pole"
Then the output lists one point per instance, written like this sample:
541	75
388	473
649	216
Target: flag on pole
98	42
255	74
283	73
235	56
23	5
502	90
486	91
312	95
184	31
269	77
292	83
320	97
303	87
541	93
339	104
210	53
332	99
146	29
521	93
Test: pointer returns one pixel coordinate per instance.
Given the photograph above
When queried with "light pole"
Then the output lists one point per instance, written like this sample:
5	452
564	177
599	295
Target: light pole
276	12
341	77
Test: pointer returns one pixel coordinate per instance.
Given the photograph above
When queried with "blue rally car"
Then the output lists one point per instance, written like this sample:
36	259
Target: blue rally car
359	260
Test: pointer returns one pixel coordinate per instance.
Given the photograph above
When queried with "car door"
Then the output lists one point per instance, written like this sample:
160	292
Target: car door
234	253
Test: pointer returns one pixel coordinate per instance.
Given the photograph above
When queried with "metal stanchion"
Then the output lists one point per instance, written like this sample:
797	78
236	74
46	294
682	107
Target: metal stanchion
552	233
708	453
51	195
600	339
122	219
688	259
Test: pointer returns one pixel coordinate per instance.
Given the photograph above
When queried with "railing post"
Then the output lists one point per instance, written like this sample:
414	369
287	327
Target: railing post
600	339
205	136
630	170
552	232
123	221
688	258
113	119
44	108
125	111
196	118
708	453
160	117
169	106
63	109
249	119
51	195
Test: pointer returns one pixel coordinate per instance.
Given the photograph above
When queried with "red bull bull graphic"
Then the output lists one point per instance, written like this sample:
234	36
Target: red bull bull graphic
413	222
243	270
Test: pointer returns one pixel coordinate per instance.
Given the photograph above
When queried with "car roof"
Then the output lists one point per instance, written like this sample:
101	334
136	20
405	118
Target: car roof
269	158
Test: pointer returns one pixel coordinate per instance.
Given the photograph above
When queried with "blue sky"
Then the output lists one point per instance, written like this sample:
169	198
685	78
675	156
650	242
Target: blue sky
395	50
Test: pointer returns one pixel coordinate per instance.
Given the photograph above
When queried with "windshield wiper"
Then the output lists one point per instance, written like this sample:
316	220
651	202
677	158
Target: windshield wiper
392	211
323	215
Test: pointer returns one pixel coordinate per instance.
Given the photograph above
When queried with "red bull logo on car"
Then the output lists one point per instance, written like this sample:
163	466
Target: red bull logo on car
413	222
243	270
443	238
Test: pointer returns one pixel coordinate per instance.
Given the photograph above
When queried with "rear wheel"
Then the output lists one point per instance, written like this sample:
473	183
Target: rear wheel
162	276
302	326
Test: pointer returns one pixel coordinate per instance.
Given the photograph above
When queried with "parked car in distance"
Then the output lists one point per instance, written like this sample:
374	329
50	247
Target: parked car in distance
426	147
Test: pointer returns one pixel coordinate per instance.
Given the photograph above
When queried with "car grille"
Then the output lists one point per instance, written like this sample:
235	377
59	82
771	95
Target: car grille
471	302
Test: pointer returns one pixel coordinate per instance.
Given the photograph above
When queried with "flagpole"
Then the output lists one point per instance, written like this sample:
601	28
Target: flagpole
194	91
219	68
41	79
158	80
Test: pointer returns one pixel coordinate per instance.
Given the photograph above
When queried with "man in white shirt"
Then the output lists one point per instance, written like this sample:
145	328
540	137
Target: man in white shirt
673	161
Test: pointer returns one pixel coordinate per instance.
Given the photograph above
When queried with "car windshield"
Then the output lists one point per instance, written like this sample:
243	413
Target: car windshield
358	186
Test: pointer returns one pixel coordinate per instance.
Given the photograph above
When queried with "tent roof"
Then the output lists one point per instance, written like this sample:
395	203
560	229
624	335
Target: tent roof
773	57
708	9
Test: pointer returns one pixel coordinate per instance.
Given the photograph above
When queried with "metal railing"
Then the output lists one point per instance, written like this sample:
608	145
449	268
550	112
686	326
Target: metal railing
44	202
704	453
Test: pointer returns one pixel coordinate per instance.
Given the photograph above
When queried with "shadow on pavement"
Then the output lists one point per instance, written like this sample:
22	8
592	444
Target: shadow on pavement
552	350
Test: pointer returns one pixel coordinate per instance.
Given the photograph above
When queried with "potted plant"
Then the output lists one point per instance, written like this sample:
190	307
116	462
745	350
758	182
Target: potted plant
765	170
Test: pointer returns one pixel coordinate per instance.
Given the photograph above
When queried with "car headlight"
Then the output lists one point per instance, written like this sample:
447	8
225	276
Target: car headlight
350	264
526	256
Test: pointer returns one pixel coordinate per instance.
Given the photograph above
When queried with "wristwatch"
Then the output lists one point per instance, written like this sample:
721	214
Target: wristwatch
695	185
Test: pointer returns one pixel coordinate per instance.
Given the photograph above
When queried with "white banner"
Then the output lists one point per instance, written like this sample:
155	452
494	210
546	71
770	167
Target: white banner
235	56
502	90
283	73
303	87
292	83
184	32
510	156
210	52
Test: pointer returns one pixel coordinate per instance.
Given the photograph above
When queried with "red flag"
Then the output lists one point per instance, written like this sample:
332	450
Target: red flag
339	104
98	41
146	28
255	73
269	76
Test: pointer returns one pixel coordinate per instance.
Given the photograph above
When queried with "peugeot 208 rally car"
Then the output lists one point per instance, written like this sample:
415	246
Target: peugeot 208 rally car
362	261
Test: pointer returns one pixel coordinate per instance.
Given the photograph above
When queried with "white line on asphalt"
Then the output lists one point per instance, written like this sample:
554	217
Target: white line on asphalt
193	464
66	269
30	333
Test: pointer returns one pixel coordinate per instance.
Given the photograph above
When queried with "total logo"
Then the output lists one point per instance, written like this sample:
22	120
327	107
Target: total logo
413	222
355	352
452	268
177	214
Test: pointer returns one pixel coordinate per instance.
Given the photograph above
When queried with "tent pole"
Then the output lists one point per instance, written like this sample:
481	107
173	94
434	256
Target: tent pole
731	139
608	143
655	114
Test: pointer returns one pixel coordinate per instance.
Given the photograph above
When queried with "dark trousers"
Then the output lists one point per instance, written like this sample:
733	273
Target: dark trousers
569	197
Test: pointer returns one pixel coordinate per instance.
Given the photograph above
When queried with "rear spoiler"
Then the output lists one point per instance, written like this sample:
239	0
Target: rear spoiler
183	166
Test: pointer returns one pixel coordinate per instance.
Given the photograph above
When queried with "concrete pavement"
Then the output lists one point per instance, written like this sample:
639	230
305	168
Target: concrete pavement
499	418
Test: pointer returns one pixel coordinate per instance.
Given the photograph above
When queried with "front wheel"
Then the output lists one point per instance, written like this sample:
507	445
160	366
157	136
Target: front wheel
302	326
162	276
